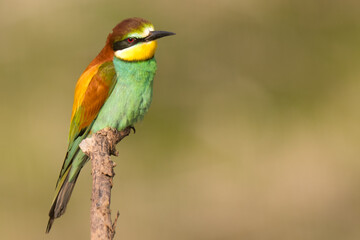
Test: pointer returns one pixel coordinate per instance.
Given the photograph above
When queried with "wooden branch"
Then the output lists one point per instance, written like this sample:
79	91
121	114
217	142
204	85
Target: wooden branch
99	147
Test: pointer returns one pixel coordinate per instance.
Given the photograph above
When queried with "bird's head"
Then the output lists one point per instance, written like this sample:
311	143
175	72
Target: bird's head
134	39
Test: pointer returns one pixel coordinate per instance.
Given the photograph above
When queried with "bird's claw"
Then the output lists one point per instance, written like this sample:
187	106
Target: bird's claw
133	128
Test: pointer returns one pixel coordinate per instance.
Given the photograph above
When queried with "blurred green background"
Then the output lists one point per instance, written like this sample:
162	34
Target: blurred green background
253	133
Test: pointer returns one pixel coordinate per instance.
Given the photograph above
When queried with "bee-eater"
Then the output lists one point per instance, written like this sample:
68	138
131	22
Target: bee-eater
114	91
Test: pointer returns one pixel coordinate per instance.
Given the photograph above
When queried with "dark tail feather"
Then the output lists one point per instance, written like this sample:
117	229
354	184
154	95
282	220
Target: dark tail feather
51	220
59	205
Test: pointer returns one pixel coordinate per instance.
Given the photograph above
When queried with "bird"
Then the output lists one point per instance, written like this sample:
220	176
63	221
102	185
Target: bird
114	91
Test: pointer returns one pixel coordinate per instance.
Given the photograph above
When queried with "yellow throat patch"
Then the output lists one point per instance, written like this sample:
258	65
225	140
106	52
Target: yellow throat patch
139	52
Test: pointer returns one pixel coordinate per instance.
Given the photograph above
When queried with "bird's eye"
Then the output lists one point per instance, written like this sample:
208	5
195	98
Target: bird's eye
130	40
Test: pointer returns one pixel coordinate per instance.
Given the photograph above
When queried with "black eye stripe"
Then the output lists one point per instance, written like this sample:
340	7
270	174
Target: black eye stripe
127	42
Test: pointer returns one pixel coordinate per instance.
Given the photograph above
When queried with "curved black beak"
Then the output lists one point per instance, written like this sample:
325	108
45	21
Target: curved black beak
157	34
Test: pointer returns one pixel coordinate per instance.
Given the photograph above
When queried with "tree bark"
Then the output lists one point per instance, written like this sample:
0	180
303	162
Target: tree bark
99	147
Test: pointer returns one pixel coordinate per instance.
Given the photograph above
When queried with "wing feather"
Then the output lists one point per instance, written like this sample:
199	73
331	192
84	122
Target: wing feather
85	111
90	96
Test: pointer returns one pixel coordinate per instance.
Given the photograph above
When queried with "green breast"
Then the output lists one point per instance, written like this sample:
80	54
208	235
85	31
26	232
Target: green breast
131	96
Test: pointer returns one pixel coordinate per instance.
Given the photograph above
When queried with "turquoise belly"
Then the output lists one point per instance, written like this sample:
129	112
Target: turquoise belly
131	96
